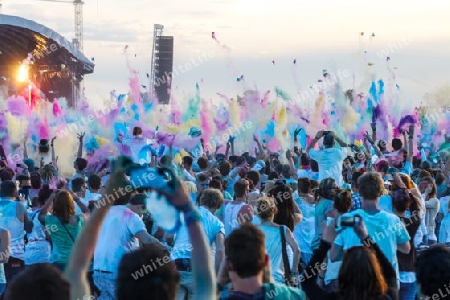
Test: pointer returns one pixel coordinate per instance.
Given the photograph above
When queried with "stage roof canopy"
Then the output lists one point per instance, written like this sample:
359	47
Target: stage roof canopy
19	37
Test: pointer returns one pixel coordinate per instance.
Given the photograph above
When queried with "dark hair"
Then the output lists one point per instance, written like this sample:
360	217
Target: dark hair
77	184
360	275
8	189
161	280
137	199
278	168
328	141
41	281
240	187
232	158
165	161
202	177
433	270
285	205
328	188
95	182
225	168
36	181
304	185
305	160
273	175
137	131
44	194
81	163
240	160
314	166
401	200
439	178
203	163
343	201
383	166
6	174
355	177
397	144
244	240
371	186
215	184
188	160
254	176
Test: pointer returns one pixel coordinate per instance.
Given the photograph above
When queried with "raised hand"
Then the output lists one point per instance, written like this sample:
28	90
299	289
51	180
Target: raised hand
297	131
80	136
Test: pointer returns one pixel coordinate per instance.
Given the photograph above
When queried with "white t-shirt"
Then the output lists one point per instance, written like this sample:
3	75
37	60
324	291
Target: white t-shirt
384	228
211	225
116	238
330	163
304	231
90	197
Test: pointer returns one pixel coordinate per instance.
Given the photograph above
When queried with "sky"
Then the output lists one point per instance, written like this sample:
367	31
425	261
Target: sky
319	35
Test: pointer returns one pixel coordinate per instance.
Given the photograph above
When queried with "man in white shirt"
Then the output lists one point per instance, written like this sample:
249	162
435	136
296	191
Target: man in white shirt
92	194
330	158
119	233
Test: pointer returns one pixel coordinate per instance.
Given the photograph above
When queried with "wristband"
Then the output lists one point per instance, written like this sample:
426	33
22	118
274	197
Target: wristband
192	216
367	241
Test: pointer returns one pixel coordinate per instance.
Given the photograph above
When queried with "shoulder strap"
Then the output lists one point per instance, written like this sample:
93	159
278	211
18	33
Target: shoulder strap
287	269
64	225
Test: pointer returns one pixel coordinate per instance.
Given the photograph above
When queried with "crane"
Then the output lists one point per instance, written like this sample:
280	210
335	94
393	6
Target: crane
78	4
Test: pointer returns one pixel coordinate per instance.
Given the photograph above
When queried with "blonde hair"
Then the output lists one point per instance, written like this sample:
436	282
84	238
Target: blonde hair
266	208
191	187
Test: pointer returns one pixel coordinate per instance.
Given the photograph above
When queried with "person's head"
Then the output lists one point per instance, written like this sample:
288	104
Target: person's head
355	177
137	131
423	184
160	281
202	182
382	144
120	136
165	161
285	204
225	168
401	200
6	174
240	161
203	163
397	144
273	175
266	208
304	185
406	180
398	160
233	160
241	189
187	162
44	194
328	188
360	275
371	186
137	204
216	184
80	164
305	161
8	189
94	182
38	282
36	181
239	244
439	179
211	199
328	141
191	187
343	201
254	177
79	186
63	206
382	166
425	165
433	270
278	168
286	171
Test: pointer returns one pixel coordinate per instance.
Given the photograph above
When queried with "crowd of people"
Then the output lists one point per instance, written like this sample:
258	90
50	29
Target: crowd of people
332	221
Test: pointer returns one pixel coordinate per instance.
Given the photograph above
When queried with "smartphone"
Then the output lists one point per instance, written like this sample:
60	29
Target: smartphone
347	221
326	132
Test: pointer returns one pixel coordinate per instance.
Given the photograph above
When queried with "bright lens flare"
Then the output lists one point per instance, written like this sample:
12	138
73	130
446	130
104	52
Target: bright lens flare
23	73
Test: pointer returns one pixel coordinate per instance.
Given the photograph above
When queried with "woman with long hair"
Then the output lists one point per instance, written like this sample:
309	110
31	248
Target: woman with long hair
365	273
266	210
64	225
288	213
432	207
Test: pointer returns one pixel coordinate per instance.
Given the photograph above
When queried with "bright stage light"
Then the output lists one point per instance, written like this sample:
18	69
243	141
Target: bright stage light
23	73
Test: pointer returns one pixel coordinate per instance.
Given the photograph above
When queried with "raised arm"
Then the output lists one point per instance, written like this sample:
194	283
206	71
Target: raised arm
80	137
5	241
374	131
410	144
202	267
25	151
339	141
83	250
313	143
262	153
54	160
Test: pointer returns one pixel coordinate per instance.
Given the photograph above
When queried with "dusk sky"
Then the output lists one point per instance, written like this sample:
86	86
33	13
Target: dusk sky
253	33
